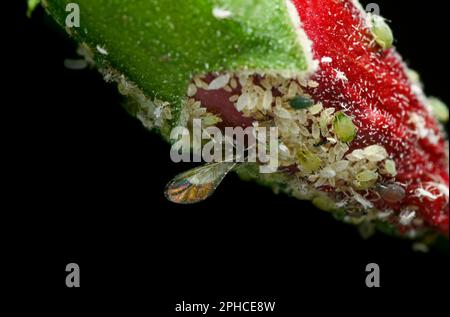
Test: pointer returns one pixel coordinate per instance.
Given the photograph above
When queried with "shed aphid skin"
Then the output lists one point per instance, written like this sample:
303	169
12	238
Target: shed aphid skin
101	50
356	134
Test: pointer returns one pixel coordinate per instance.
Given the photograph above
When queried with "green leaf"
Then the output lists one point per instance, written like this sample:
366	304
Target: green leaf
160	44
32	4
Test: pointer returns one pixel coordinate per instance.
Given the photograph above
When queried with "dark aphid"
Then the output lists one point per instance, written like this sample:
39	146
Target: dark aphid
301	102
391	193
323	142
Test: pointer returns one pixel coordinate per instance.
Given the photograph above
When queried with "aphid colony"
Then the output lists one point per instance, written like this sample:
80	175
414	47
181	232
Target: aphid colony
314	141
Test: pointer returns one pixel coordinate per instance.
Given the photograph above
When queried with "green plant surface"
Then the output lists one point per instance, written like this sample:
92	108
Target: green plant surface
160	44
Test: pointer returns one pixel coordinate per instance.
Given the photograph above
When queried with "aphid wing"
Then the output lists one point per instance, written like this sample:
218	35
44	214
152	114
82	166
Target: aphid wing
197	184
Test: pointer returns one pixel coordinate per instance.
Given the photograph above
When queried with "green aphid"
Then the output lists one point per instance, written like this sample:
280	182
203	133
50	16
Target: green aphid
366	176
309	161
324	203
301	102
382	32
439	108
365	179
344	127
32	4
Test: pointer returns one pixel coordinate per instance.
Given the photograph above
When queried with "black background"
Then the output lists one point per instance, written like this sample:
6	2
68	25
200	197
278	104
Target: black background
85	184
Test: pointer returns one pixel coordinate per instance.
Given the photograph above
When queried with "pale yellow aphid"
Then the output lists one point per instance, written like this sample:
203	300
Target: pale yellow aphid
440	109
309	161
381	31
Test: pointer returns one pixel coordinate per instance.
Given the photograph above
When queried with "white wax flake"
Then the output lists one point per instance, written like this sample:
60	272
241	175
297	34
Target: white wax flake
340	75
421	192
443	189
419	123
385	214
284	149
406	217
220	13
425	191
421	129
326	60
331	140
360	199
158	112
101	50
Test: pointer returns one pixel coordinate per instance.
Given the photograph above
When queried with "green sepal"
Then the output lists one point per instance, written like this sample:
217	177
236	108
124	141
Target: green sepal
160	44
